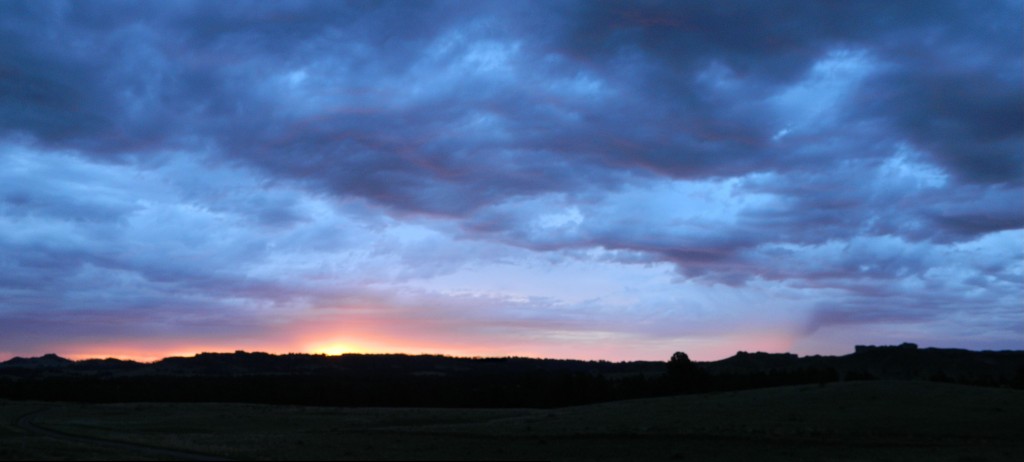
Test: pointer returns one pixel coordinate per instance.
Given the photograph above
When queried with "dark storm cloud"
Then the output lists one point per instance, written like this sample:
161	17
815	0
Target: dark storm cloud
960	101
85	74
952	71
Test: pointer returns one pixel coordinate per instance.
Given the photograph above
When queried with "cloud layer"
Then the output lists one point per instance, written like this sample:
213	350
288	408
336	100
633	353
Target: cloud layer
510	178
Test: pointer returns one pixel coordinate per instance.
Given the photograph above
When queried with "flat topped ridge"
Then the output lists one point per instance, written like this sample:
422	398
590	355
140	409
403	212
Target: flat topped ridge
762	354
901	347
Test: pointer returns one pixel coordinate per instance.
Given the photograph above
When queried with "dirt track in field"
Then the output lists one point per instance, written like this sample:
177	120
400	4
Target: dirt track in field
27	422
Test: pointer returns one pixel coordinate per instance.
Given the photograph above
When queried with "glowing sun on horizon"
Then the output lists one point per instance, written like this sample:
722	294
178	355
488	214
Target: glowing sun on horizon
335	349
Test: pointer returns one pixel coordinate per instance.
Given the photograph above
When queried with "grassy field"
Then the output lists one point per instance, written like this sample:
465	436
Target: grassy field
17	444
851	421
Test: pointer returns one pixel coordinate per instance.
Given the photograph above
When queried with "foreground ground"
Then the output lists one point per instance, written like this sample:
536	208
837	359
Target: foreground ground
850	421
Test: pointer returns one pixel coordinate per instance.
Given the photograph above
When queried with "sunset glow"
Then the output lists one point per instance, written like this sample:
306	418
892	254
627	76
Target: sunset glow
334	349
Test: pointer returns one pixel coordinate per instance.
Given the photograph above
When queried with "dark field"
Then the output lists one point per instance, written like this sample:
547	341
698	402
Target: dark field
847	421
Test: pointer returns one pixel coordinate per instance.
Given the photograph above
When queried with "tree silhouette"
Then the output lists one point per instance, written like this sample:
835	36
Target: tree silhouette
685	376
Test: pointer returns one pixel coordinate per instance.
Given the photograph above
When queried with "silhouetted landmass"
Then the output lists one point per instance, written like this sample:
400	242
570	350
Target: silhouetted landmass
900	362
50	361
443	381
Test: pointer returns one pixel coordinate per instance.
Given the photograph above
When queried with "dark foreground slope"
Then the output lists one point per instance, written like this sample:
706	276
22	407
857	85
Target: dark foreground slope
877	420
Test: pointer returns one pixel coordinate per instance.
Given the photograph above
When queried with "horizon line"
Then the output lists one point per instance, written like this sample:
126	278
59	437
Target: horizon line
137	359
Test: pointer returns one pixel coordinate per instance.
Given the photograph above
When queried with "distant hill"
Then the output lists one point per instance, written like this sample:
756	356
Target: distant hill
43	362
444	381
241	363
899	362
905	361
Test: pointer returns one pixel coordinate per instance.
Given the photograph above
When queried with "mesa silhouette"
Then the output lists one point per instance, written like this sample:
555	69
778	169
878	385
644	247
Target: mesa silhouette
444	381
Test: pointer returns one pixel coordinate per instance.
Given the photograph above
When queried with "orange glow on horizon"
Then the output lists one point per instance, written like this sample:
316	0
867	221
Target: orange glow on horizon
369	335
340	348
147	351
134	354
709	351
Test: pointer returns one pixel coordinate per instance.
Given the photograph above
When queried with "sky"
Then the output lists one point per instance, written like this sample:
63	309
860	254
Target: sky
562	179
